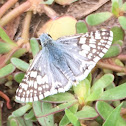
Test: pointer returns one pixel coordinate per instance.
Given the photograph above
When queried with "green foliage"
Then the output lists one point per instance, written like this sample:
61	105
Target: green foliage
81	27
4	48
48	2
42	108
64	121
60	98
72	118
98	18
115	116
118	34
20	64
18	77
124	7
21	111
122	21
87	112
115	93
6	38
8	69
34	46
114	50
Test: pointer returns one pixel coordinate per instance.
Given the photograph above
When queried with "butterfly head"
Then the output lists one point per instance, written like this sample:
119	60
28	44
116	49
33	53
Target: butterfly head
44	38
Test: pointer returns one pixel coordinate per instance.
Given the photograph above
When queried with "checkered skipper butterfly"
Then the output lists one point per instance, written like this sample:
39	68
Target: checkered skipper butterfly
61	63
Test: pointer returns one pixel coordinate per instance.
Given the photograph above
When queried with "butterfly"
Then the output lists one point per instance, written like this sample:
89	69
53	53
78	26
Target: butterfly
62	63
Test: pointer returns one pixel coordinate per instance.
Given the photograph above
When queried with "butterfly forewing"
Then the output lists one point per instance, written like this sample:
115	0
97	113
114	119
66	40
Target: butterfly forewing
69	61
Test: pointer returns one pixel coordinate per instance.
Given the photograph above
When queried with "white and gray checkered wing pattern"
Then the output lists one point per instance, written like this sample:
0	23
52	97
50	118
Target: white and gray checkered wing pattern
62	63
91	47
35	82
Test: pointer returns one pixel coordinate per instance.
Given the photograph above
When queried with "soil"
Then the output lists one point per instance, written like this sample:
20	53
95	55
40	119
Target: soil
79	10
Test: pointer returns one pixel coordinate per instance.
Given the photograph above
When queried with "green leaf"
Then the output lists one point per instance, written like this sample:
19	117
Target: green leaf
89	77
34	46
20	64
9	84
118	34
29	116
59	108
103	82
118	62
59	98
72	118
18	121
8	69
98	18
114	50
4	47
28	123
94	95
120	2
19	76
116	93
122	21
41	108
124	7
19	52
64	121
21	111
81	27
115	8
82	90
114	118
104	109
87	113
6	38
48	2
119	42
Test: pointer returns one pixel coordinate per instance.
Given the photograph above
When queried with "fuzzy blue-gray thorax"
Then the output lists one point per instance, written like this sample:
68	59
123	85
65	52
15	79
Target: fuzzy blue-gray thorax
44	39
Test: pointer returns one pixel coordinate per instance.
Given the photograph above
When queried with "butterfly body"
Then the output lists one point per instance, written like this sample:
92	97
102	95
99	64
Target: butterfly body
61	63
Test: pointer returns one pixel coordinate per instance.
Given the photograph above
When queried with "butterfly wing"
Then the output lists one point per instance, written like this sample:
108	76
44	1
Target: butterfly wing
41	80
80	54
83	51
30	87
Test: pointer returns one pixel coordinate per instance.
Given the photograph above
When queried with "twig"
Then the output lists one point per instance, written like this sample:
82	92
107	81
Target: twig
6	57
25	32
111	67
6	6
121	57
50	12
6	98
14	13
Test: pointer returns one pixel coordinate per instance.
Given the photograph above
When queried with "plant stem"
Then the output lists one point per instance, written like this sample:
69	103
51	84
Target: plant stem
6	57
111	67
6	6
1	104
25	31
14	13
50	12
6	98
122	57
